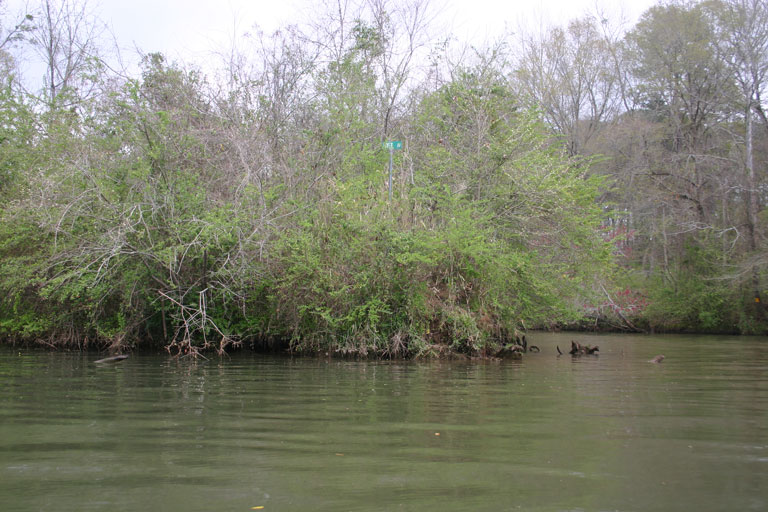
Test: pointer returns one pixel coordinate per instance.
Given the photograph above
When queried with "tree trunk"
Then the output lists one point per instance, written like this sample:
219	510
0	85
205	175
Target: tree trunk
752	209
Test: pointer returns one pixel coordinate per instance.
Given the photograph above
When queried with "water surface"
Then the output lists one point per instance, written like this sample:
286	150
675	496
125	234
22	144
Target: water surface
547	433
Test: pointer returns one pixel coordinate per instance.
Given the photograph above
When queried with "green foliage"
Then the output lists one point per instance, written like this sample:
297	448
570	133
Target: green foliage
461	259
694	305
140	245
696	299
160	213
16	138
165	210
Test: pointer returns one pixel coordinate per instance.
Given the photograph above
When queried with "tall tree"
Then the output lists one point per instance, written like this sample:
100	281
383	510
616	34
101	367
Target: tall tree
743	34
66	38
683	80
570	74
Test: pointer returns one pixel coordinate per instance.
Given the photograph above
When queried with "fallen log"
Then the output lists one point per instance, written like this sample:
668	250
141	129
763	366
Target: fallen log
617	310
113	359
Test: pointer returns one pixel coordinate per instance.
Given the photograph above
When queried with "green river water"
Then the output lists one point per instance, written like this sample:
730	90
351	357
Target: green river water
548	433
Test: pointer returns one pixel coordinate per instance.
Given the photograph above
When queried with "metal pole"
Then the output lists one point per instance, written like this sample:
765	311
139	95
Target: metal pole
391	150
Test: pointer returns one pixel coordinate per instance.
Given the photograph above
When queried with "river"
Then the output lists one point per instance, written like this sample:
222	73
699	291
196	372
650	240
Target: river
547	433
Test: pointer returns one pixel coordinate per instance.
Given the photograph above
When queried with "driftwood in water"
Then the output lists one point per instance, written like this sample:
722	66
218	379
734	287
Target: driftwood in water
524	343
659	358
517	348
577	349
113	359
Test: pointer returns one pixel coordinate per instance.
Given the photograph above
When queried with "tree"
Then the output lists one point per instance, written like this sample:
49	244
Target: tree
681	172
481	150
66	38
570	74
743	34
682	80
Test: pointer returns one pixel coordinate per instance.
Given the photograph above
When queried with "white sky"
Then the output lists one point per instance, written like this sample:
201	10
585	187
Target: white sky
183	28
191	30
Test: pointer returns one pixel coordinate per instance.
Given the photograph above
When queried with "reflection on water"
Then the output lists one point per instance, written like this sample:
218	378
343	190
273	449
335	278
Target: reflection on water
613	432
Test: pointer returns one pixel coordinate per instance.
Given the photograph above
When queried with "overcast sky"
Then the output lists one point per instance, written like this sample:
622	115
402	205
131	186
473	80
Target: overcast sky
194	27
191	30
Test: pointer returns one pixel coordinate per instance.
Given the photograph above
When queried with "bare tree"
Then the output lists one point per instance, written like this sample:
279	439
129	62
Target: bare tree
381	37
66	38
570	74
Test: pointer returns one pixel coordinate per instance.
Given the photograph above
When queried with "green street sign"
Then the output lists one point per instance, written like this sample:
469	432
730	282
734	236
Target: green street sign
393	144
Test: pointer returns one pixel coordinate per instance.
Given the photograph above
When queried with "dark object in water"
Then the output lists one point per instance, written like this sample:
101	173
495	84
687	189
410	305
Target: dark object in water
517	348
113	359
659	358
578	349
513	350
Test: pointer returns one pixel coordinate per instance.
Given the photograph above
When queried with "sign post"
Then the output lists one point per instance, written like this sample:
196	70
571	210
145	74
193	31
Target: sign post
392	146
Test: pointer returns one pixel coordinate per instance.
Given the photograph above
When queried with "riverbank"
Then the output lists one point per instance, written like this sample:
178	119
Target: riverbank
510	348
